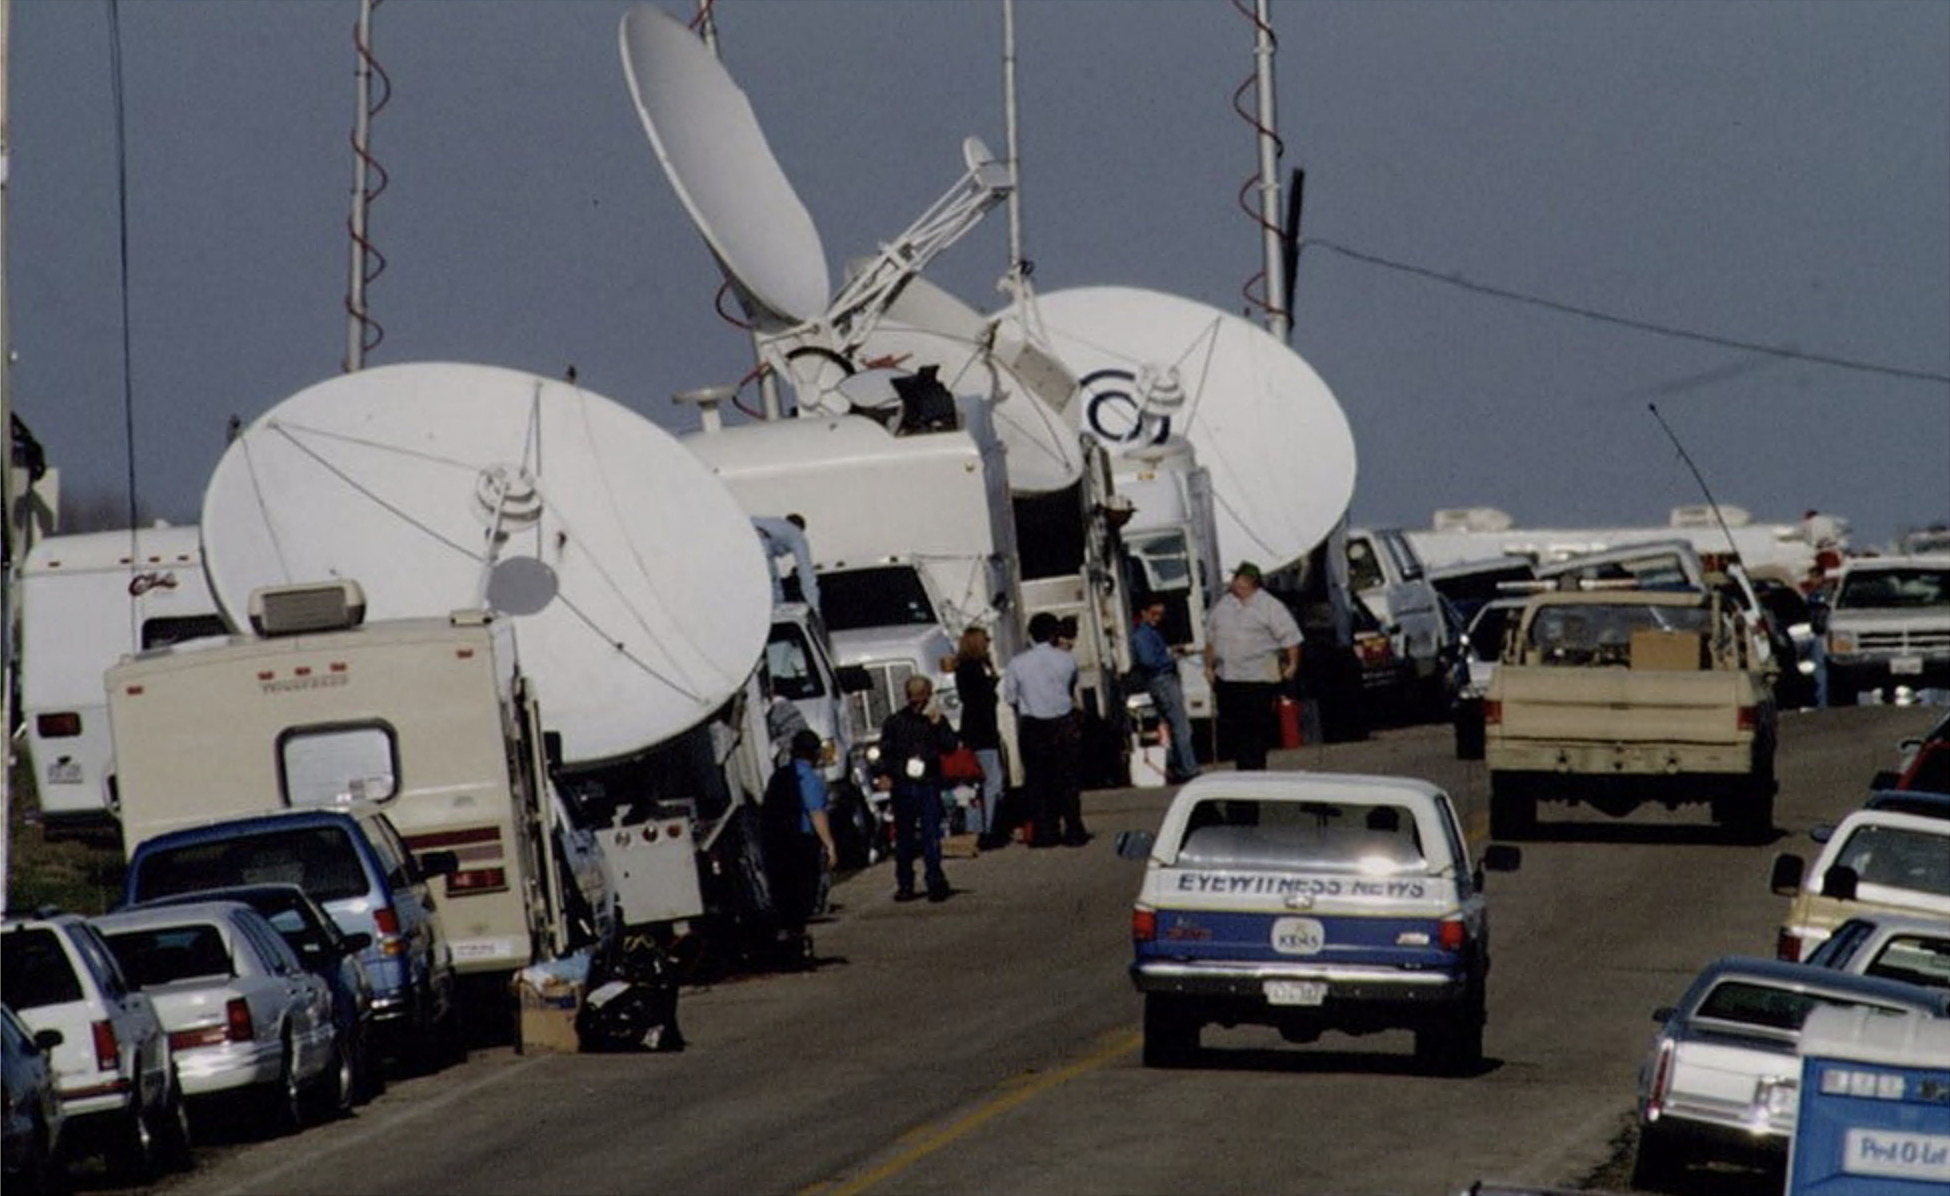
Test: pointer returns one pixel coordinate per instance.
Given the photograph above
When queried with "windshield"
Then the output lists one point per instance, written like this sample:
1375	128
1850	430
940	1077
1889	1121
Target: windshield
1576	633
1894	589
889	596
1289	836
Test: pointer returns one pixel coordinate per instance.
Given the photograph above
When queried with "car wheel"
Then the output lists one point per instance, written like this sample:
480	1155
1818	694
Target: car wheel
1513	810
369	1076
1657	1165
334	1090
284	1111
174	1145
1453	1046
1171	1030
41	1172
132	1156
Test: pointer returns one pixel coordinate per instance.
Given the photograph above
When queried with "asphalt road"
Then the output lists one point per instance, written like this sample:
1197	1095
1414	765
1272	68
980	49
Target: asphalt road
990	1044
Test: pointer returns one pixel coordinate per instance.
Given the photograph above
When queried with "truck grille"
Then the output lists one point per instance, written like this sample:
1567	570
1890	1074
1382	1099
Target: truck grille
1933	640
868	709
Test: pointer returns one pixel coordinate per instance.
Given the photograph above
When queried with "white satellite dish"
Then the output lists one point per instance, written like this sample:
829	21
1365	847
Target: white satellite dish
1275	440
635	581
709	141
926	325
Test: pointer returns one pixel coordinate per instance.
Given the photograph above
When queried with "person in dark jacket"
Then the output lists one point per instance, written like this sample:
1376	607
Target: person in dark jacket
912	742
975	683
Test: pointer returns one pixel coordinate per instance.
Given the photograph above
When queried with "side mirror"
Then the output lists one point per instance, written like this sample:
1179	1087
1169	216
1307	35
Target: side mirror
1786	878
1502	857
552	749
439	863
853	679
47	1040
1663	1014
1135	845
1886	779
1839	882
354	943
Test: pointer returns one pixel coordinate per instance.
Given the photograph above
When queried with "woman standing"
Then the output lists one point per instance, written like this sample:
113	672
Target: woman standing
975	682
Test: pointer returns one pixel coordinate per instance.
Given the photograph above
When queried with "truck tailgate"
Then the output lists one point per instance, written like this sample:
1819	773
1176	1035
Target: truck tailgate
1616	705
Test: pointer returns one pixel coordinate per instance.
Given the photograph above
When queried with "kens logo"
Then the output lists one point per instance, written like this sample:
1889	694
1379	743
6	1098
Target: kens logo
142	583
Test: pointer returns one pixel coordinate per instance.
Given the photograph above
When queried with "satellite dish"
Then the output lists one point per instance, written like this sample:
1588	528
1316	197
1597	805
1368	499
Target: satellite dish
1275	440
635	582
718	161
926	325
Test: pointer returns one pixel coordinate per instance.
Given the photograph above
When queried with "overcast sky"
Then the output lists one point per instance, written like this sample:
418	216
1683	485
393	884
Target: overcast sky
1486	180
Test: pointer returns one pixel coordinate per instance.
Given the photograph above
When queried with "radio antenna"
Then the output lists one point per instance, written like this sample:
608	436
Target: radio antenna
1732	547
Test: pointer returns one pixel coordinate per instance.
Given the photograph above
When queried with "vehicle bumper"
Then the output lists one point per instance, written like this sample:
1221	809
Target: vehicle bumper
209	1070
1620	759
1345	984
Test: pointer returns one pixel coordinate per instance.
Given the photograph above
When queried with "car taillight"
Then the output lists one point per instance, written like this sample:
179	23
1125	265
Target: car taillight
1492	714
1655	1100
181	1041
1787	946
1744	720
58	724
237	1020
1144	925
108	1053
477	880
385	919
1452	935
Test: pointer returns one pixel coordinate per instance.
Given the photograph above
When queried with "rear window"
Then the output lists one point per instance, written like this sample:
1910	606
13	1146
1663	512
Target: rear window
1914	959
1601	633
1898	857
168	954
1271	836
321	860
1748	1004
35	971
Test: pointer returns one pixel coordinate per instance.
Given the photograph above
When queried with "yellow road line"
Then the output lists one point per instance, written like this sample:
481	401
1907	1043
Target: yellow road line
929	1139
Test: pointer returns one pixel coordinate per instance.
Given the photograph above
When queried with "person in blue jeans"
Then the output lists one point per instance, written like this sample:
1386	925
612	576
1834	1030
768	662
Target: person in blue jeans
1159	666
912	742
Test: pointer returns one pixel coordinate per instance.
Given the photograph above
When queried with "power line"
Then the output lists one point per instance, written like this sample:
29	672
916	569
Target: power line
1587	313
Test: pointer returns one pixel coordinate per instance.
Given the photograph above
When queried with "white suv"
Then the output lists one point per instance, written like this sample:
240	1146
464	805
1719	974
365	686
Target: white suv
113	1066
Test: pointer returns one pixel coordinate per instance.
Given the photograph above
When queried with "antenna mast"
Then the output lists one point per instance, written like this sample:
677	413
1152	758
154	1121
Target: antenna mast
1732	546
1018	269
363	333
1279	320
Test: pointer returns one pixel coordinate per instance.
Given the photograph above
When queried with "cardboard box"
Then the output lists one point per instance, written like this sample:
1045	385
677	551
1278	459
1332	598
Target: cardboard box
960	847
548	1015
1670	651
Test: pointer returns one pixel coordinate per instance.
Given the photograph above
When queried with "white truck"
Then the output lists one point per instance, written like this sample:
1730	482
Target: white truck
88	599
1888	628
912	535
1388	574
431	718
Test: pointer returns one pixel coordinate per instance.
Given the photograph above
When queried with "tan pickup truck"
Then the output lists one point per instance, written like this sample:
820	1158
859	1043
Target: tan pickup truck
1615	698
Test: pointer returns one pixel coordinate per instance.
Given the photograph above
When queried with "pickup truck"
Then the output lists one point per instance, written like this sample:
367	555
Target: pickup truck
1618	697
1889	627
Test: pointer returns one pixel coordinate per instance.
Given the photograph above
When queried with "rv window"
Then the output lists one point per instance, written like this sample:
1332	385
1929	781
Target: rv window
159	633
324	766
789	661
1166	560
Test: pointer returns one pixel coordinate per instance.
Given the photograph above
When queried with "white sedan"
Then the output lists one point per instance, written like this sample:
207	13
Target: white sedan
244	1017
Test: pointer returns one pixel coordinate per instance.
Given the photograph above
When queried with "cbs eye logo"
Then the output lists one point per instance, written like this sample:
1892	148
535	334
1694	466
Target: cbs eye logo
1115	409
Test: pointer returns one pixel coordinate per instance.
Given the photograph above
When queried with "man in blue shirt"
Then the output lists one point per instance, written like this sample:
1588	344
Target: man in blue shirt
1158	664
1041	684
798	843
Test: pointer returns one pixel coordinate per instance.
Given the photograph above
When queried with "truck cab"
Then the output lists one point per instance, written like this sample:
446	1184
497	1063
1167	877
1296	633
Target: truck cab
1388	574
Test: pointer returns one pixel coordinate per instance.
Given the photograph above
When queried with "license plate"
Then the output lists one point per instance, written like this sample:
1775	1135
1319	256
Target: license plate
1906	666
1296	992
64	772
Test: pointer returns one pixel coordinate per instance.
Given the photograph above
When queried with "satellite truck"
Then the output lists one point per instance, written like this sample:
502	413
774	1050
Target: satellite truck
618	591
991	545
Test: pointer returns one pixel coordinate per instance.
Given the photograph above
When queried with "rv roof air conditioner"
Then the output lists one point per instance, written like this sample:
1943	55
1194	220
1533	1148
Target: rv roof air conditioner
313	606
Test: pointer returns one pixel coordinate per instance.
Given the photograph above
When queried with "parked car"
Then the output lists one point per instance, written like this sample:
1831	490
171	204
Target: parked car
246	1021
326	952
1312	902
1873	861
119	1091
1903	947
350	860
1721	1081
31	1146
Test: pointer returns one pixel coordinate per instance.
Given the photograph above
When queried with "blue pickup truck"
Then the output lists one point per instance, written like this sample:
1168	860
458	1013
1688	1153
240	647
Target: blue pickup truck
1311	902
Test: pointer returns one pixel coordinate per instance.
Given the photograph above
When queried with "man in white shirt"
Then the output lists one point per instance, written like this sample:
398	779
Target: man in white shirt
1252	648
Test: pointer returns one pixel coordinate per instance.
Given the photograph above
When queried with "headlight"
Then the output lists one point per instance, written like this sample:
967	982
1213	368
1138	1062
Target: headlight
1841	642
